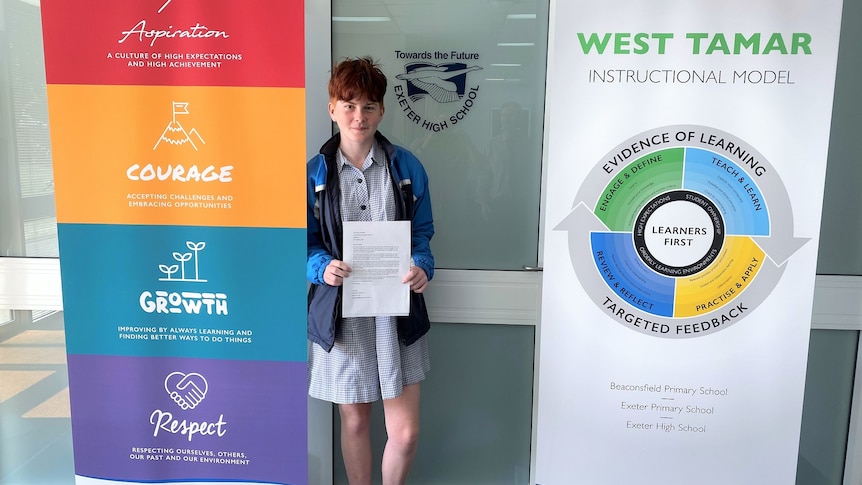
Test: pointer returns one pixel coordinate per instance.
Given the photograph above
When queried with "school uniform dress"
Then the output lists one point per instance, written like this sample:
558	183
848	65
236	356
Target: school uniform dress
368	361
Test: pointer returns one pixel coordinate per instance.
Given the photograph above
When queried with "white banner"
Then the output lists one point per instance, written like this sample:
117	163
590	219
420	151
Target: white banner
686	161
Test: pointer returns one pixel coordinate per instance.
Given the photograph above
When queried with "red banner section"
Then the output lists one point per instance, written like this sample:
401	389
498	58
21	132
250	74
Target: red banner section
174	42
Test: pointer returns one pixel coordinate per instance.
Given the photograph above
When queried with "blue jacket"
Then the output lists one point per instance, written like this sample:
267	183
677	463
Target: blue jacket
412	202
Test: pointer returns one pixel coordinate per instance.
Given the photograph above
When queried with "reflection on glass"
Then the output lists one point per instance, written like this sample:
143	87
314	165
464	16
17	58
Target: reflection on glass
35	423
466	95
482	437
827	407
27	194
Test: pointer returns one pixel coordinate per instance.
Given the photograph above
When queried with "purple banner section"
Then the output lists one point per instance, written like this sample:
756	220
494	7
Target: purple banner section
167	419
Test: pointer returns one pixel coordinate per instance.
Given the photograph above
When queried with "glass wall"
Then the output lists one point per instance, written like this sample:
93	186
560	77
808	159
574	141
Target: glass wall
476	409
477	404
28	226
828	397
840	235
35	426
466	95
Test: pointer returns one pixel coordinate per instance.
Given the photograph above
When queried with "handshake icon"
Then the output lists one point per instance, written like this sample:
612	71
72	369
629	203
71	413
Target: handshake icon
187	390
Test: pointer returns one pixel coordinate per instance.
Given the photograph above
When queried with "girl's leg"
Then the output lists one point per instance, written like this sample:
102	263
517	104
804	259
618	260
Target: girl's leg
356	442
402	429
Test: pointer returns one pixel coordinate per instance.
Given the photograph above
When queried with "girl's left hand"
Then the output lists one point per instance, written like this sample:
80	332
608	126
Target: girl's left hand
417	279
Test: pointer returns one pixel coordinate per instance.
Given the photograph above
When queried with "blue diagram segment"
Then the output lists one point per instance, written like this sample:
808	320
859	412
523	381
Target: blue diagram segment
185	291
731	188
617	261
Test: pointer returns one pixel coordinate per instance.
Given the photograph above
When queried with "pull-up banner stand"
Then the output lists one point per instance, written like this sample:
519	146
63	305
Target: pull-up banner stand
177	130
687	155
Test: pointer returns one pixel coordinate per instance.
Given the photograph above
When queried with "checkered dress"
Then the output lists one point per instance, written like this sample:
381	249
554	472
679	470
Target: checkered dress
368	362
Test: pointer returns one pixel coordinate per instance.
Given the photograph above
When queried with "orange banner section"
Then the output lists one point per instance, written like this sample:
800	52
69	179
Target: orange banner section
173	155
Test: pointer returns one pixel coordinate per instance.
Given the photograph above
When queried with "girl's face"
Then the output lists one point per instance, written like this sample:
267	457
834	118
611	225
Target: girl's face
357	119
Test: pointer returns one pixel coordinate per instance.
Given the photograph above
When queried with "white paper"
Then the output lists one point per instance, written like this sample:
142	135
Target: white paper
379	255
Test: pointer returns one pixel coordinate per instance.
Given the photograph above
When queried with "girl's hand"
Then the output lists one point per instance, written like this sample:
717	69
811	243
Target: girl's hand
335	272
417	279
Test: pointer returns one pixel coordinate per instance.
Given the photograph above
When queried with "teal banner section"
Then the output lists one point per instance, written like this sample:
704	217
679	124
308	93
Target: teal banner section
185	291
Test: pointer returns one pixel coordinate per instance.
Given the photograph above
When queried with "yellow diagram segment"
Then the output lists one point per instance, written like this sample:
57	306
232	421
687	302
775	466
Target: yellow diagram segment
720	283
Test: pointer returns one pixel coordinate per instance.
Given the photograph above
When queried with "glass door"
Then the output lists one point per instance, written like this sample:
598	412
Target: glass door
466	95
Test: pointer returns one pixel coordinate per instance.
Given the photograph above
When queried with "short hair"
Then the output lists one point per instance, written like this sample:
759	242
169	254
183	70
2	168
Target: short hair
358	77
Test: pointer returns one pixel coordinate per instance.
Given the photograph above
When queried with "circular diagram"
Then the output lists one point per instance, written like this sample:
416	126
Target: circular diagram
681	231
674	250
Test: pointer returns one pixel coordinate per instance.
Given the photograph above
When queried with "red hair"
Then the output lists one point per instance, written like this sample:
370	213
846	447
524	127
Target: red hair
359	77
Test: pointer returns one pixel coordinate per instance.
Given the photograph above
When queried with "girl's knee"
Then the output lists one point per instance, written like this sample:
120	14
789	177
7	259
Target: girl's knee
355	419
405	436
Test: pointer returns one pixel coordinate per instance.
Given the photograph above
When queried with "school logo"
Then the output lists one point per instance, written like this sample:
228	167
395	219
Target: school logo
447	84
187	270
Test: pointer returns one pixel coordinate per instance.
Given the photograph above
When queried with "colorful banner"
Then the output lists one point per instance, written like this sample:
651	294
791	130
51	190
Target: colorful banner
687	154
178	137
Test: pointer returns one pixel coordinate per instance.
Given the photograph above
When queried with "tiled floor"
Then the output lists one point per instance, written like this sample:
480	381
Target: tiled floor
35	429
